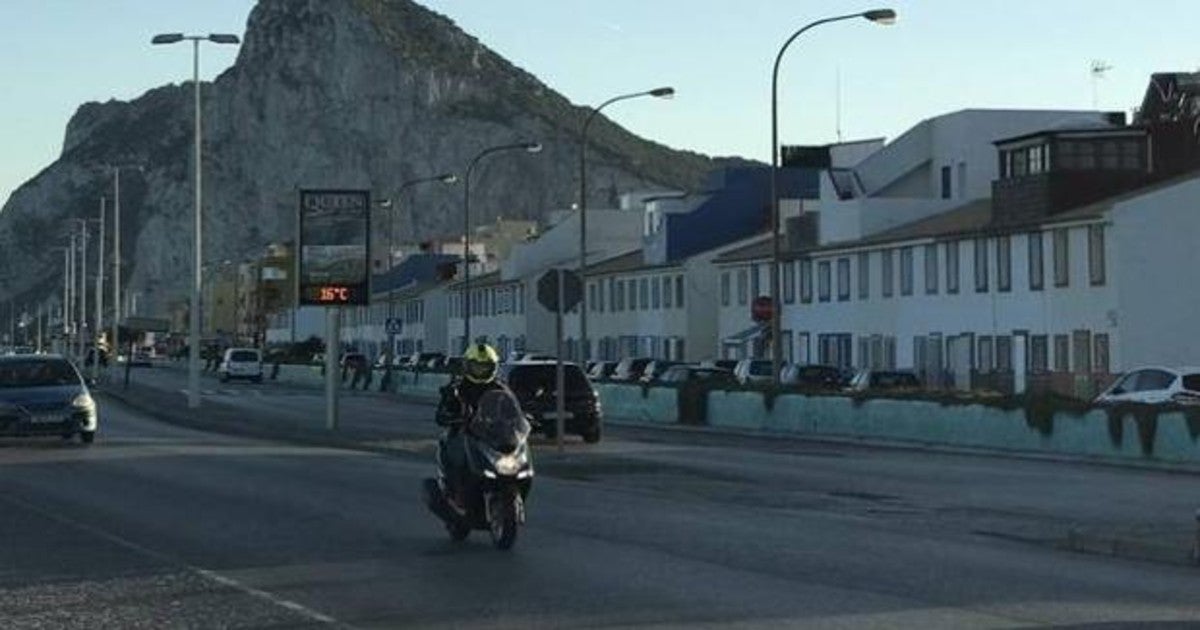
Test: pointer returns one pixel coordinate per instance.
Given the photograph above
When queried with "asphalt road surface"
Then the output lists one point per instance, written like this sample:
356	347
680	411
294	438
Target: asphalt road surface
161	527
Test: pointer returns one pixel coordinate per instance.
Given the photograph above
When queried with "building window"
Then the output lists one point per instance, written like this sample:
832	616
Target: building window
806	281
679	291
1062	259
1004	353
1062	353
668	294
655	293
741	287
886	273
1096	254
906	271
725	288
631	284
591	298
946	191
952	267
1004	264
1036	161
789	282
1100	359
981	265
1038	354
843	279
644	294
618	295
755	290
600	296
1082	345
1036	262
864	275
931	269
823	280
985	362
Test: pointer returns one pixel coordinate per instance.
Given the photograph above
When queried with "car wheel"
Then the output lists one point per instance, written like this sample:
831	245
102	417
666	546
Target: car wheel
87	437
592	435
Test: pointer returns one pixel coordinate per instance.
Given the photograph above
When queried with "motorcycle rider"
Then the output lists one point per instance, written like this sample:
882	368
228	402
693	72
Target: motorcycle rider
459	400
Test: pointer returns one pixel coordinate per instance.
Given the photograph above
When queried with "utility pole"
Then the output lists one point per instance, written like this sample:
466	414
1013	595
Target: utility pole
69	306
99	326
83	288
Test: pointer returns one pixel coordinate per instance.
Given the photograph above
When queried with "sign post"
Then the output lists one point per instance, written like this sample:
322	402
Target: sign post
559	290
333	334
332	268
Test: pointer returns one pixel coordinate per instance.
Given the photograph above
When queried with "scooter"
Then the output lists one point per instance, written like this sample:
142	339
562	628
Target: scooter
498	478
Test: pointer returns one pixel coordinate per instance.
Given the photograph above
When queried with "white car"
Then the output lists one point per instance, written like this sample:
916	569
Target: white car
243	363
1154	386
754	371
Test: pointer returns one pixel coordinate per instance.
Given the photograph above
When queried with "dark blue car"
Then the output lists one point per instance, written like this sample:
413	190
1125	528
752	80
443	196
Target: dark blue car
45	395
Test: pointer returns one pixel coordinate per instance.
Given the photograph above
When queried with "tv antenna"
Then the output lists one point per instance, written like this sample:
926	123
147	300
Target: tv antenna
1099	70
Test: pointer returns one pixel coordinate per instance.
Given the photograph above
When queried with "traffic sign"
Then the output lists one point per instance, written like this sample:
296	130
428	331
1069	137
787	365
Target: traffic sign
547	289
395	325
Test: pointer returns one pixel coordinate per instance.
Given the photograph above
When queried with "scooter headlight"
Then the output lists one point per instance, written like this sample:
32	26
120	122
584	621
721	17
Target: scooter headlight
508	465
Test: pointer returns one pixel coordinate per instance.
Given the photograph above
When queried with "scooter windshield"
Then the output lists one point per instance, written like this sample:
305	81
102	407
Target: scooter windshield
499	421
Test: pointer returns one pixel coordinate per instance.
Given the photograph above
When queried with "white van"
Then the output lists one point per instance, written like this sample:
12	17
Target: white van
245	363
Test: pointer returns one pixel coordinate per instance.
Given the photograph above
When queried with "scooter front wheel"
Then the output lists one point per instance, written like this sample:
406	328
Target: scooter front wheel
503	519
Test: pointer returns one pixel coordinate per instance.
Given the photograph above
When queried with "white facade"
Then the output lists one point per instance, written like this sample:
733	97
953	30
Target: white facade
935	317
1154	255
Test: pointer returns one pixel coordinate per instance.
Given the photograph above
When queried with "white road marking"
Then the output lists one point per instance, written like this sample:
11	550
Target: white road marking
228	582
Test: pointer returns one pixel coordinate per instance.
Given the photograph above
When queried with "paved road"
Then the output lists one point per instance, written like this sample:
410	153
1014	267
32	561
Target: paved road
157	526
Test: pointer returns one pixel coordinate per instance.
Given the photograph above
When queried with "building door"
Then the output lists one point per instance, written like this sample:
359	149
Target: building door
958	361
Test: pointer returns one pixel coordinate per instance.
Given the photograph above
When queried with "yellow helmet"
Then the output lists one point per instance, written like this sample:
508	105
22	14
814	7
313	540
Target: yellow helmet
480	363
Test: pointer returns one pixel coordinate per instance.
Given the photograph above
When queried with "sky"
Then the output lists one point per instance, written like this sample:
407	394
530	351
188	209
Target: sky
940	56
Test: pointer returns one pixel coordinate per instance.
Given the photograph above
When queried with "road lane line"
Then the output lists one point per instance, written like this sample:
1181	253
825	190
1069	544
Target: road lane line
213	576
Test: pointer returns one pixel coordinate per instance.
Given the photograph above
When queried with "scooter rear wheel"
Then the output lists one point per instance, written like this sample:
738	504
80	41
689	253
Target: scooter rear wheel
458	531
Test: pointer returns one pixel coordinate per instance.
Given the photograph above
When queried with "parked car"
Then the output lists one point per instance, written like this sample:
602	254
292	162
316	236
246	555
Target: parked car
241	363
815	376
421	360
1154	386
654	370
679	374
754	371
724	364
884	381
45	395
535	385
629	370
602	370
141	358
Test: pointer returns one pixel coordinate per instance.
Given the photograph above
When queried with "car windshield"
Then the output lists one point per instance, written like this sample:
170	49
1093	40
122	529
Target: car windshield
244	356
760	368
528	379
37	373
499	421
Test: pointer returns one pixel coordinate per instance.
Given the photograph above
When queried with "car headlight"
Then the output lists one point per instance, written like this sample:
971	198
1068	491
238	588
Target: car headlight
84	402
508	465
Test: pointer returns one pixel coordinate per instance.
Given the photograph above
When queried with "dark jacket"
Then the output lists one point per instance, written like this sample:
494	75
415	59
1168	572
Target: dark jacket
460	398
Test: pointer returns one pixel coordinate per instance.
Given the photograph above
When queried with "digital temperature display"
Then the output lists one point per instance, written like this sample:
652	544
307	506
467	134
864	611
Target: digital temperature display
332	254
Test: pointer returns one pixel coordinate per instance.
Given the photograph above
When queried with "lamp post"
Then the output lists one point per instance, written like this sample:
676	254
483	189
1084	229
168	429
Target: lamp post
879	16
662	92
116	318
389	206
528	147
194	321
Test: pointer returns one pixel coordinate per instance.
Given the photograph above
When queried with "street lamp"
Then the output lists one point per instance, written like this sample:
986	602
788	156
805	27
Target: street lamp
194	320
116	319
879	16
388	205
662	92
528	147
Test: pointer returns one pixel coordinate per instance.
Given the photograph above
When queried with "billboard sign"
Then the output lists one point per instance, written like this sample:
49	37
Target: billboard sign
333	267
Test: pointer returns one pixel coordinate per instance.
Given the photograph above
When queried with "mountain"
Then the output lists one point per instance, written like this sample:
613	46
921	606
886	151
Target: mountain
324	93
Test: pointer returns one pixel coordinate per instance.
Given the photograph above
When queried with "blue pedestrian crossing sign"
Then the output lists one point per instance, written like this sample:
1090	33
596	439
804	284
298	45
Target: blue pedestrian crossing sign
395	325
